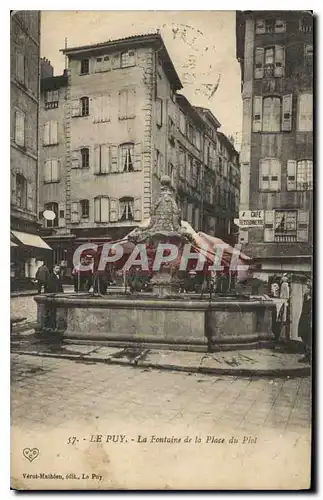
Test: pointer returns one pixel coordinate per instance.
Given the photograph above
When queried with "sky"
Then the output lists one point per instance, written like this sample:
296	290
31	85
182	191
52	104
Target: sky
201	45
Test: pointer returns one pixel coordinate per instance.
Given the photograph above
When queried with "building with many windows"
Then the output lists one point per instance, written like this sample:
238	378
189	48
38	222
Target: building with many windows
110	127
275	51
27	248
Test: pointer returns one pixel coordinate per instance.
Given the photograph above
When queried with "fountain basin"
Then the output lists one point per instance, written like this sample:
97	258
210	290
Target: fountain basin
177	323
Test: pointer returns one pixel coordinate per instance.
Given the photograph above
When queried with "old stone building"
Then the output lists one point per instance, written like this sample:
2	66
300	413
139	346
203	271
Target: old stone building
275	51
27	248
111	126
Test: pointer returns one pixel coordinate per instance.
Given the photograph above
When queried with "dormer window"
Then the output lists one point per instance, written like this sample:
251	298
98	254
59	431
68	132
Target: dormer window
127	59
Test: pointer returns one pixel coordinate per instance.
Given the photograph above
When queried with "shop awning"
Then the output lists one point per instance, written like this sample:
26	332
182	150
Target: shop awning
12	244
30	240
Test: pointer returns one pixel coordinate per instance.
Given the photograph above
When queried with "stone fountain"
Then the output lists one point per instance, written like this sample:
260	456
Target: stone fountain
164	319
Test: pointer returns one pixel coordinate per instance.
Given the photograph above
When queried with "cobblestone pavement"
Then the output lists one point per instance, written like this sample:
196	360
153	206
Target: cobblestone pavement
64	388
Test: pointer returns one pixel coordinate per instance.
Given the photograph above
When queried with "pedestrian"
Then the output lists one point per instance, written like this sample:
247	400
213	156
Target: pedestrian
54	283
305	324
42	277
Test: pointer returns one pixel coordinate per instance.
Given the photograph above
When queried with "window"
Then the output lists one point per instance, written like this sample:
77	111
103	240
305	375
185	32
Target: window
84	101
305	112
269	61
306	24
127	157
101	109
171	129
260	27
85	66
190	168
85	208
159	160
127	59
85	157
159	112
308	51
280	26
104	157
20	67
300	175
182	163
102	207
126	209
20	128
267	114
51	99
182	123
286	226
190	133
127	104
102	64
270	174
53	207
75	212
171	173
270	26
198	139
50	133
21	191
51	173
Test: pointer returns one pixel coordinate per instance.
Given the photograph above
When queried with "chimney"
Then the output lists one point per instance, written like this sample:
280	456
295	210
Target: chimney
46	69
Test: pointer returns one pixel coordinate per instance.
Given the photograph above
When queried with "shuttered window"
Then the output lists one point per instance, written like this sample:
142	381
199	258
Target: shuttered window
50	133
102	159
305	112
127	104
270	174
300	175
20	128
51	171
101	109
101	209
271	117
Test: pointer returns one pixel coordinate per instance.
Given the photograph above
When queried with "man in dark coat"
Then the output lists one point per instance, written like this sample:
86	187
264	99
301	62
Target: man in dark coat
42	277
305	324
54	282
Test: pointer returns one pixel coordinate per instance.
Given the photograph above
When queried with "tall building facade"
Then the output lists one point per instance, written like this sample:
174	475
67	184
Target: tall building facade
27	248
110	127
275	51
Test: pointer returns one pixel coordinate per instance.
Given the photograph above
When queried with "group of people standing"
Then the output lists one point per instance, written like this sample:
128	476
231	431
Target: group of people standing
49	281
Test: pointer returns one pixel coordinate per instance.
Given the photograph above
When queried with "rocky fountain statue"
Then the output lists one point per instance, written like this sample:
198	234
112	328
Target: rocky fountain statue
165	318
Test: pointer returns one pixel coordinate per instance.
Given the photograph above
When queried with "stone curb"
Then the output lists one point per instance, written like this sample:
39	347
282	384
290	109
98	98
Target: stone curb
302	371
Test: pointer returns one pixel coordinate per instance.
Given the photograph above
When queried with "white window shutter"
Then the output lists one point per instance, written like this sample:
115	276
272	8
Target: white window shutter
113	210
269	231
53	132
279	70
97	209
287	112
275	175
291	175
47	133
20	128
97	159
302	225
96	109
116	61
105	209
75	211
131	111
123	104
138	156
61	209
257	113
76	159
264	172
305	112
98	66
76	107
105	108
137	209
48	171
55	172
30	200
13	188
114	164
105	158
259	62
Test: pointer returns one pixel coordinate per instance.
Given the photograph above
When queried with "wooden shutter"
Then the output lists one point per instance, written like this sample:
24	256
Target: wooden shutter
105	209
98	65
13	189
76	107
302	225
138	156
305	112
257	114
48	171
76	159
275	175
30	201
123	104
96	109
105	158
113	210
131	105
264	172
75	211
55	172
279	61
97	209
105	108
47	133
53	132
137	209
259	62
287	112
114	164
269	230
97	159
20	128
116	61
291	175
61	209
